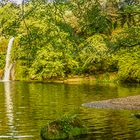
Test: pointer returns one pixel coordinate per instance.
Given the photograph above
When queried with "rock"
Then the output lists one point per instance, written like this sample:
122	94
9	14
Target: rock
126	103
65	128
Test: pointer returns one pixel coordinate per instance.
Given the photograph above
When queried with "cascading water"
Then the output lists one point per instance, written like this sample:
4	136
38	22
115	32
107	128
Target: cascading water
8	66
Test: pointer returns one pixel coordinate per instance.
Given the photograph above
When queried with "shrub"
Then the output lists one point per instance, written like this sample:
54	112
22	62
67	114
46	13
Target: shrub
48	64
129	64
93	56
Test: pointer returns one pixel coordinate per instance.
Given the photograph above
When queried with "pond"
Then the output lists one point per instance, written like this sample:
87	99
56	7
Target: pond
27	106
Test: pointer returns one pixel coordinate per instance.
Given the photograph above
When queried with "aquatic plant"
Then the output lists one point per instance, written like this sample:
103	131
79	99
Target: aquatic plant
64	128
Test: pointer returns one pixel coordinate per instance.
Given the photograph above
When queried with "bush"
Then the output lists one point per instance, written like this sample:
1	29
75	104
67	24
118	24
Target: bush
93	55
48	64
126	38
129	64
21	70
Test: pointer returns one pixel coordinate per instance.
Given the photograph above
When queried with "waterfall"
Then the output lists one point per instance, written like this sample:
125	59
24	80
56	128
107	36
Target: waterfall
8	66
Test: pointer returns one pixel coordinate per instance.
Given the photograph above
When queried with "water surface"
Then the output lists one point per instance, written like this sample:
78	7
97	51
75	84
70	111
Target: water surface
25	107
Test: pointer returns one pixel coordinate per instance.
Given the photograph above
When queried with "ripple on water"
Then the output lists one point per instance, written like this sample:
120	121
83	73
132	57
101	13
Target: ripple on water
44	102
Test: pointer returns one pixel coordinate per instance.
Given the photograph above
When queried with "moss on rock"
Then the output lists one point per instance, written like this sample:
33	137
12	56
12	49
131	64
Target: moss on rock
65	128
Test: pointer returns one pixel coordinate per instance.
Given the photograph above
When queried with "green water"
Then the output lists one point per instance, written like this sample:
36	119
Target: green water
25	107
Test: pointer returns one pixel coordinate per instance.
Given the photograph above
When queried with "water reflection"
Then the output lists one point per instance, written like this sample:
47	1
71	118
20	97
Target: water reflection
11	124
25	107
9	105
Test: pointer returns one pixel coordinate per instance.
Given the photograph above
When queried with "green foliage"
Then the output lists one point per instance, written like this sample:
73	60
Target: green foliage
129	64
9	20
129	12
64	128
51	64
21	70
127	38
55	40
3	45
47	65
2	62
93	54
124	13
90	18
96	21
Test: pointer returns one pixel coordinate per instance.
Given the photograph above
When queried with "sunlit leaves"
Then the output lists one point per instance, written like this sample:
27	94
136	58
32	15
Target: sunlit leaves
57	39
48	64
129	64
93	53
9	20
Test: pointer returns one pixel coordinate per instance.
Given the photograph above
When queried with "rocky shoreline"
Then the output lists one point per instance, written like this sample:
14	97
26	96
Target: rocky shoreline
127	103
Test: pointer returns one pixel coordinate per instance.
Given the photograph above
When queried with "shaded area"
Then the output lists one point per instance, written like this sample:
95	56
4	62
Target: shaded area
131	103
